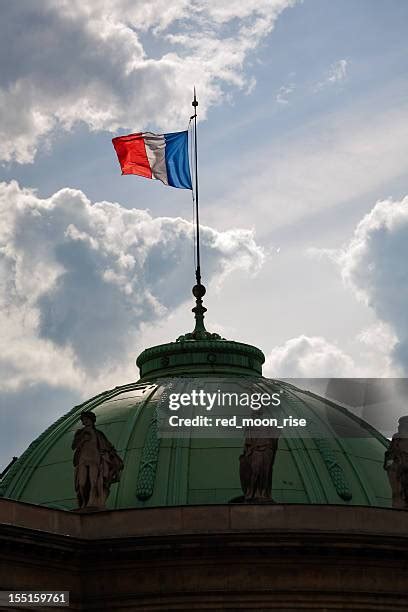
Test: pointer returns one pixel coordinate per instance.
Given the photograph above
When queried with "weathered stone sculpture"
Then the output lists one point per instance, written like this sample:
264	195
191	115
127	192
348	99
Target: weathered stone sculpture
256	464
396	464
96	462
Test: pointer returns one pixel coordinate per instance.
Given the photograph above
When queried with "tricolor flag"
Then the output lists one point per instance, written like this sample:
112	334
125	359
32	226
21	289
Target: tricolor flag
156	156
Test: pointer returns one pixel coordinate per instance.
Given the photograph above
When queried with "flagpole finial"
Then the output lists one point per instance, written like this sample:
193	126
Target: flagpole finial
200	332
199	310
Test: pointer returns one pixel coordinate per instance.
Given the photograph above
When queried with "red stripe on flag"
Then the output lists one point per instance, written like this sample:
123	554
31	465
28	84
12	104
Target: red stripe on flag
131	152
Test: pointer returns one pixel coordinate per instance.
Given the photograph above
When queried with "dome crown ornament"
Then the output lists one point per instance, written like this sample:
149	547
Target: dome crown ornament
200	352
199	333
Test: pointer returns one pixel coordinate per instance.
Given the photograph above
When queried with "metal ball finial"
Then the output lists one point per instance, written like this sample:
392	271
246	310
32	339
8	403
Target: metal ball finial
199	291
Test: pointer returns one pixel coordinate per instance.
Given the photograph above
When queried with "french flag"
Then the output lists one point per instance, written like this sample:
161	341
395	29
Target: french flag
156	156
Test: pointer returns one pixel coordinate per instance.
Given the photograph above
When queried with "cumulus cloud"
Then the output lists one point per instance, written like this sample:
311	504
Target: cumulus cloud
378	336
25	414
78	280
309	356
374	265
119	64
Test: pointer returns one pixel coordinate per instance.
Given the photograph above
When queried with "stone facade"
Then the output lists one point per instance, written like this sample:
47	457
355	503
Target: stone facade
225	557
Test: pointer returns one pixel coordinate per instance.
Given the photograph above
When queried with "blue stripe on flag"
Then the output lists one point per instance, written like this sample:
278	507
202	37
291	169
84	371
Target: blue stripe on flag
177	163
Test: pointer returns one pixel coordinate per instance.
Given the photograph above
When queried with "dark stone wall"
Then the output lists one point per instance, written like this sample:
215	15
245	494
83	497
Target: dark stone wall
249	557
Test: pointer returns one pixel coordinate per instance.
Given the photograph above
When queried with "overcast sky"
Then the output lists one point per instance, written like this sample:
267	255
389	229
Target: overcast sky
303	154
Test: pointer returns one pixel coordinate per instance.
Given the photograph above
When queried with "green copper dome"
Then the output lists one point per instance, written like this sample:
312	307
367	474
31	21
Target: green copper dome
158	471
161	472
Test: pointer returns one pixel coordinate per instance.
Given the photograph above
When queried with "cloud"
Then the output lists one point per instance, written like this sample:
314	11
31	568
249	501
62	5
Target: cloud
308	356
283	94
333	160
337	73
119	64
79	280
374	266
25	414
378	336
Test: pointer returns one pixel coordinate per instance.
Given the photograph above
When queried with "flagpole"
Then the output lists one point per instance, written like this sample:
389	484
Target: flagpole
198	269
199	291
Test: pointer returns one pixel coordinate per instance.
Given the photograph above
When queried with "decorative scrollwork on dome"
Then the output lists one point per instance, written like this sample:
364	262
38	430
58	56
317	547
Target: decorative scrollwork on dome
336	472
199	335
148	463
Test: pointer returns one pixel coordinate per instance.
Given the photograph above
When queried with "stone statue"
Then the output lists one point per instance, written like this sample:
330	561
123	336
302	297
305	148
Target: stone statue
396	464
256	463
96	462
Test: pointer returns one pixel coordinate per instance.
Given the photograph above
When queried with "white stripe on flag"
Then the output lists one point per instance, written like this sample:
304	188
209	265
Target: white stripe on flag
156	154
